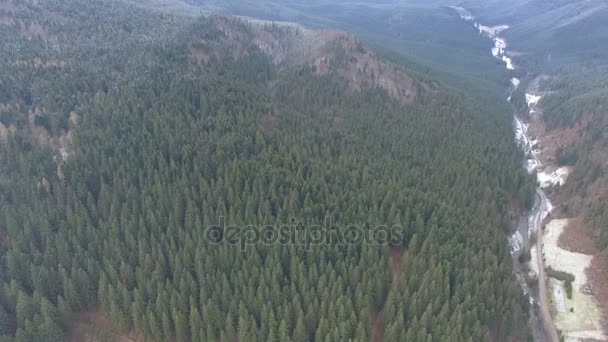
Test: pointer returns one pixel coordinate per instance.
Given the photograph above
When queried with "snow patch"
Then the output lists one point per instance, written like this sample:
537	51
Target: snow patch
464	14
557	177
547	211
532	100
515	82
492	31
516	242
63	152
534	221
499	47
533	260
531	164
522	140
509	62
586	335
520	133
562	260
500	44
558	297
578	318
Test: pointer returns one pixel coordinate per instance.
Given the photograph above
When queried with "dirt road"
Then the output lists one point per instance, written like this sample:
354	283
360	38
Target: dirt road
543	302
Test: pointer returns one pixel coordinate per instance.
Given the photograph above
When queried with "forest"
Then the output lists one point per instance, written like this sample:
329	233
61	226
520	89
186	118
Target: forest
566	45
119	148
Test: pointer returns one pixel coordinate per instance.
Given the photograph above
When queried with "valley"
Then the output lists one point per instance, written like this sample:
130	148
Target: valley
539	237
165	130
167	167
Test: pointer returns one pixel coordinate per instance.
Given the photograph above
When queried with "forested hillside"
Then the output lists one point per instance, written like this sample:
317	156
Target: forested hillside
127	132
564	45
433	39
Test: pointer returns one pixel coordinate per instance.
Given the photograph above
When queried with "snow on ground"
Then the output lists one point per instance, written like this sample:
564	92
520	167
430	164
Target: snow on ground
583	322
516	242
575	336
499	47
547	210
534	219
558	297
464	14
520	134
524	286
557	177
580	316
561	259
500	44
515	82
533	260
509	62
525	144
492	31
63	152
531	164
532	100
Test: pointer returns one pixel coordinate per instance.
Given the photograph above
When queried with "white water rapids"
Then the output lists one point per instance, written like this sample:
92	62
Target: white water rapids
520	128
542	322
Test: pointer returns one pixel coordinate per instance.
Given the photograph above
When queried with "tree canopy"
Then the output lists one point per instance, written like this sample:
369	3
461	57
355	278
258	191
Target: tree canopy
120	157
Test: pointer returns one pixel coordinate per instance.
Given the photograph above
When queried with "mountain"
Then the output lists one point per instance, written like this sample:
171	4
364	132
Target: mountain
560	55
326	52
563	48
431	37
559	48
167	175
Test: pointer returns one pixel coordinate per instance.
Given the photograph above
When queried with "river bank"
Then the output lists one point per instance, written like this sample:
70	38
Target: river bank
528	236
552	277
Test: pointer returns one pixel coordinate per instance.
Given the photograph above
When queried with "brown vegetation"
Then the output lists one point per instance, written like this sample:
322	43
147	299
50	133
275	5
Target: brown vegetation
198	56
377	326
395	258
576	197
576	238
338	51
326	51
550	140
596	274
7	6
39	63
35	30
4	133
7	20
95	326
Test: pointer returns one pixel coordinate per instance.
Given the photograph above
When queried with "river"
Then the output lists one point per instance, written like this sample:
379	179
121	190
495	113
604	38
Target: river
540	317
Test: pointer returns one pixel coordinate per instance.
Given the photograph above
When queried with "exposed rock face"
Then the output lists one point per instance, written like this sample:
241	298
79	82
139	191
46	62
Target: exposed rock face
326	51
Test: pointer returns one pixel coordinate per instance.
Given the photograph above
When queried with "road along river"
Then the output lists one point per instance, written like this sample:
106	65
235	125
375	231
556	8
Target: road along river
541	321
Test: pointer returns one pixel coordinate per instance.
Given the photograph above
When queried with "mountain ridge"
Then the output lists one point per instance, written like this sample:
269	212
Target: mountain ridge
325	51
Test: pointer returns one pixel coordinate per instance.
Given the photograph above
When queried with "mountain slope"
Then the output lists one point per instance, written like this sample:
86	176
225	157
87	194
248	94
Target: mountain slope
560	47
326	52
427	33
565	43
177	128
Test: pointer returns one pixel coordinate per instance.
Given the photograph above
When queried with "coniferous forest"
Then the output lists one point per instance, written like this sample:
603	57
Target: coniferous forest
128	131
